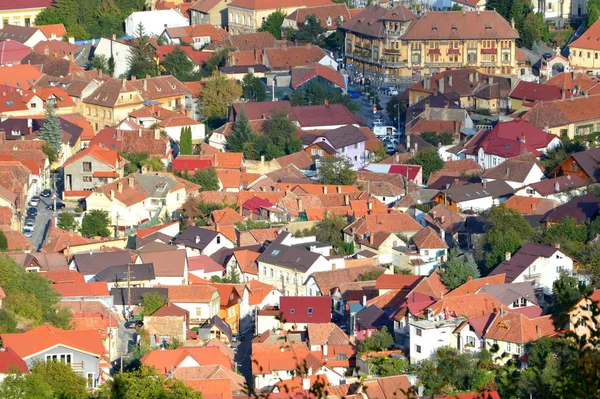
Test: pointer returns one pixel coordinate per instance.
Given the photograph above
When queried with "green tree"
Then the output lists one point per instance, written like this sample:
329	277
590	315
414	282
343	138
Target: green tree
218	94
316	93
593	13
388	366
95	223
185	141
25	386
215	61
329	230
501	6
379	341
533	27
456	7
145	383
279	138
50	152
141	57
457	271
273	24
311	30
50	131
370	275
66	221
567	291
435	139
430	161
3	242
336	170
395	108
100	63
207	179
151	302
61	378
240	135
178	64
566	230
233	277
507	232
298	97
253	88
557	155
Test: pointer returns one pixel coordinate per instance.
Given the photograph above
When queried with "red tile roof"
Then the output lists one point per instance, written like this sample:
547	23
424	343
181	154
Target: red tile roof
191	163
589	40
531	205
64	276
167	360
12	52
303	74
187	33
45	337
509	139
82	289
255	203
530	91
104	155
396	281
276	4
474	285
204	263
517	328
10	361
20	76
25	4
296	309
58	30
199	57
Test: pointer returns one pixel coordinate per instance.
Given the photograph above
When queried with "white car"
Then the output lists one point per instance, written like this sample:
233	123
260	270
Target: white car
27	231
34	202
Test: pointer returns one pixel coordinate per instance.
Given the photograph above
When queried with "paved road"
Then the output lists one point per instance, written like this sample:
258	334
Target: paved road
41	223
243	355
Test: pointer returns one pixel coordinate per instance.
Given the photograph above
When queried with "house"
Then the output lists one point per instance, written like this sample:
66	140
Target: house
12	52
347	141
430	248
442	219
398	223
110	103
380	243
396	34
329	16
517	172
26	34
90	264
512	331
140	197
150	141
154	22
193	35
202	241
412	173
298	312
287	266
583	50
583	209
247	16
169	92
119	50
244	261
11	362
215	328
476	197
209	12
201	301
370	320
525	92
581	317
169	320
136	275
469	5
572	117
173	360
92	167
537	264
82	350
230	312
53	31
23	13
531	205
170	264
582	164
326	76
517	297
21	76
170	121
204	267
507	140
560	189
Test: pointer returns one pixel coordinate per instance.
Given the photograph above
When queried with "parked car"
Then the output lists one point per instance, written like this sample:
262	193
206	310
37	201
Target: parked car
30	223
59	205
34	201
27	231
547	56
353	93
46	193
32	212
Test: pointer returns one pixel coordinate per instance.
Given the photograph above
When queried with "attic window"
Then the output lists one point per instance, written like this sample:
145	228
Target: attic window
502	326
275	252
292	311
310	311
488	26
9	102
434	27
454	27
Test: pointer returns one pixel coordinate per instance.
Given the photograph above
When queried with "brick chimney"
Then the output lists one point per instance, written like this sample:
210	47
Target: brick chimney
140	132
120	187
324	189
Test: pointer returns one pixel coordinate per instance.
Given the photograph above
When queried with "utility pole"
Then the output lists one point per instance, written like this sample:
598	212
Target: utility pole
129	286
54	186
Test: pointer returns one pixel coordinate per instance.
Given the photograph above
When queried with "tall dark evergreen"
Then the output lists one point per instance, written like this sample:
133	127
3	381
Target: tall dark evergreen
141	59
51	129
242	133
185	141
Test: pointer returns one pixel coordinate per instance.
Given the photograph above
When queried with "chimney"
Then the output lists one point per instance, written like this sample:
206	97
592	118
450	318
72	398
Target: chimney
371	239
490	80
364	301
197	240
339	189
427	82
522	138
114	36
484	184
130	181
156	133
140	132
435	92
300	209
112	193
325	350
563	93
501	311
369	205
426	104
306	383
326	103
557	187
442	219
572	97
446	104
477	76
324	189
450	80
441	84
397	158
72	40
120	187
507	256
346	200
133	78
262	159
507	171
538	331
145	81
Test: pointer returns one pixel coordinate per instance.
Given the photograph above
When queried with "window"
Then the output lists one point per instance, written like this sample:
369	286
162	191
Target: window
314	151
109	114
356	158
471	341
95	111
356	146
292	311
418	349
218	239
87	166
33	105
4	22
89	111
264	270
91	382
508	347
104	113
419	332
87	179
27	21
523	302
198	312
59	357
310	311
271	272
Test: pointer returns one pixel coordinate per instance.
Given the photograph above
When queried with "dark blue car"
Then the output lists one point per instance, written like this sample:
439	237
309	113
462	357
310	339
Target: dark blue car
353	94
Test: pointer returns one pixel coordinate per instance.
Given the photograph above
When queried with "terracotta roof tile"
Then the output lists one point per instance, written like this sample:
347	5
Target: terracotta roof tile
517	328
589	39
393	223
160	87
273	4
531	205
191	293
168	360
286	58
473	286
82	289
58	30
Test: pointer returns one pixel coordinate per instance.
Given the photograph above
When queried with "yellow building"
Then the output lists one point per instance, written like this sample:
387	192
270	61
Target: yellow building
585	51
398	45
23	12
111	103
229	310
247	16
166	90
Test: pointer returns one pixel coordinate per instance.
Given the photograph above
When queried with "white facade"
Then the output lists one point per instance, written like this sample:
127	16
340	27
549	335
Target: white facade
198	130
428	336
37	37
468	340
218	141
218	242
543	272
119	51
535	175
561	197
154	22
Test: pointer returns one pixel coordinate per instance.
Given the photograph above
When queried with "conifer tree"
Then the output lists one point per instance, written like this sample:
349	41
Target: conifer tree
51	129
185	141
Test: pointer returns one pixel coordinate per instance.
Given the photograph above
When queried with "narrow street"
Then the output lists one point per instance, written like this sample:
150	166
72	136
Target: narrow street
243	356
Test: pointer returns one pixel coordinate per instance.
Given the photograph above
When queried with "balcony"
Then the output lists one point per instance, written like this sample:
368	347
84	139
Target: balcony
489	63
392	64
361	57
443	64
77	366
491	50
391	51
364	45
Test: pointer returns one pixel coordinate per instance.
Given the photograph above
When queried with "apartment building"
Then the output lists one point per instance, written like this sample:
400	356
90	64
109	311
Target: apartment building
398	45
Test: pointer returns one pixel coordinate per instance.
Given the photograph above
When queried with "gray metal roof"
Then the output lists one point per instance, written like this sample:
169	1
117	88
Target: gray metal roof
118	273
94	263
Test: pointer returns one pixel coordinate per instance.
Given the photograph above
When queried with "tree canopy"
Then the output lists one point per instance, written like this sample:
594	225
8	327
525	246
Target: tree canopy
185	141
457	271
66	221
273	24
310	31
50	131
178	64
151	302
253	88
429	159
95	223
141	58
337	170
379	341
218	94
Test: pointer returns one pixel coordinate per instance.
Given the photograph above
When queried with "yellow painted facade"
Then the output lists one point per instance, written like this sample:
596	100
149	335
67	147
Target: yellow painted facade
245	20
101	117
585	58
21	17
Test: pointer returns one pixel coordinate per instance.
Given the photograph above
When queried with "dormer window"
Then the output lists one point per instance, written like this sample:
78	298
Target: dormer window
328	21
